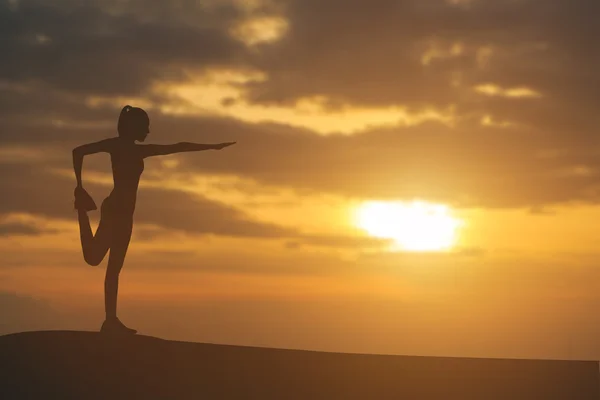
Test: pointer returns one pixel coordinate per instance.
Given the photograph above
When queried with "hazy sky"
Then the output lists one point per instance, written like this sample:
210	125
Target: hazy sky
486	108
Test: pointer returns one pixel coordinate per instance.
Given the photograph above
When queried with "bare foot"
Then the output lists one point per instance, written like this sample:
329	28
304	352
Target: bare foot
114	325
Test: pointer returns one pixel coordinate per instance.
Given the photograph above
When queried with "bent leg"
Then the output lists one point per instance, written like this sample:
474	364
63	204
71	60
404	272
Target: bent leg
96	246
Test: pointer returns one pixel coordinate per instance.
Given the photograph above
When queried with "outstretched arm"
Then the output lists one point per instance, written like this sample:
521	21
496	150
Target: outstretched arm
90	148
150	150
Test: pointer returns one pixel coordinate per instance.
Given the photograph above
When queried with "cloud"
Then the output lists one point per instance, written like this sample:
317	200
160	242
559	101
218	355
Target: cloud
20	229
31	189
473	166
34	190
113	47
340	242
505	150
193	214
470	166
374	53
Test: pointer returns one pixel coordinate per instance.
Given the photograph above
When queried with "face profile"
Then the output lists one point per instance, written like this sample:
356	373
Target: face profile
140	129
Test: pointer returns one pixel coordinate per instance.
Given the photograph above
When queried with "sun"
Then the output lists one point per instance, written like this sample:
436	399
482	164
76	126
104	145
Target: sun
415	226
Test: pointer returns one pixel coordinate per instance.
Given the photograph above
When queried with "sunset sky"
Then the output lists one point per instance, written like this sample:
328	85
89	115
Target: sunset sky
410	176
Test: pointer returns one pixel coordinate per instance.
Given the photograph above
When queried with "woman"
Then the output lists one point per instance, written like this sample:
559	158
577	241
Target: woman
116	219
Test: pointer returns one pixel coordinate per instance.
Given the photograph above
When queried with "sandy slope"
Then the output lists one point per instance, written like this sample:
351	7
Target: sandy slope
88	365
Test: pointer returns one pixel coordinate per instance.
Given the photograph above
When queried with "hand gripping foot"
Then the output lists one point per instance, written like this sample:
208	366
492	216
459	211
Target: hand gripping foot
83	201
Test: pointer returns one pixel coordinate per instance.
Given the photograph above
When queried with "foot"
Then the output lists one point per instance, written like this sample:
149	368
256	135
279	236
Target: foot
114	325
83	201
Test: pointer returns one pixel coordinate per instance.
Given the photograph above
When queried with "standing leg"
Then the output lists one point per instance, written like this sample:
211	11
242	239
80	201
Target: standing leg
118	249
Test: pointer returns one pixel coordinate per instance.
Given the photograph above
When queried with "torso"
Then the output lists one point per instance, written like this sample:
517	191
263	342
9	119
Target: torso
127	166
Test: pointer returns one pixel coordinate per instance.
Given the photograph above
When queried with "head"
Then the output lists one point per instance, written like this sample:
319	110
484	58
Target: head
134	123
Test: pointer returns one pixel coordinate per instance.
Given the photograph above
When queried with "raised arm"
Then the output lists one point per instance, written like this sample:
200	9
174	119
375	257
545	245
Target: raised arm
90	148
150	150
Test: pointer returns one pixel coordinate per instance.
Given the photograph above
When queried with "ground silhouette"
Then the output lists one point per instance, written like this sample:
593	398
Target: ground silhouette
91	365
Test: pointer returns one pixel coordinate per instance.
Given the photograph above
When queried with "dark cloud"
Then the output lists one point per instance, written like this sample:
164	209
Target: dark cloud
32	189
354	52
116	48
20	228
465	166
35	112
372	53
197	215
472	166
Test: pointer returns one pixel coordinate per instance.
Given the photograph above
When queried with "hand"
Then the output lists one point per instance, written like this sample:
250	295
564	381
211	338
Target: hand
80	192
83	201
223	145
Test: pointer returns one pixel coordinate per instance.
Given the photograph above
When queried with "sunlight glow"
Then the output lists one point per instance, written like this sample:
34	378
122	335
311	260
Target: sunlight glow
416	226
490	89
221	92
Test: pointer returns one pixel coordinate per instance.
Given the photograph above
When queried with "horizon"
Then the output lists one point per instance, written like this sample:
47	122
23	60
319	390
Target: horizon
409	178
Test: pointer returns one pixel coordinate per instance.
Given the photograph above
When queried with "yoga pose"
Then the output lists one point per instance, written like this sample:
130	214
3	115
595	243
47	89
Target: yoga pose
116	213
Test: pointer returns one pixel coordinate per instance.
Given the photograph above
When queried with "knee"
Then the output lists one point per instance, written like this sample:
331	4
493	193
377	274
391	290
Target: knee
92	259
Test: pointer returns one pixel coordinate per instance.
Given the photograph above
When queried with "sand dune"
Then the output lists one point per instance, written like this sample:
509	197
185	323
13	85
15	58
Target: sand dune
88	365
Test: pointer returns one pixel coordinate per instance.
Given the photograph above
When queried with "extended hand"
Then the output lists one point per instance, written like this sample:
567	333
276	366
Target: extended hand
223	145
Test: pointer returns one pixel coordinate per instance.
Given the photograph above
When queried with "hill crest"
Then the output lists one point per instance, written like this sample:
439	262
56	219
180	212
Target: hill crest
70	364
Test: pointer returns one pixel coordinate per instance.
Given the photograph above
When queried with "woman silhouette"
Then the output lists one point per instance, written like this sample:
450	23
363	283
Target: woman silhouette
116	217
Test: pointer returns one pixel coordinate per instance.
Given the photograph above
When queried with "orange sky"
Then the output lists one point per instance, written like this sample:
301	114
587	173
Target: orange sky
485	108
